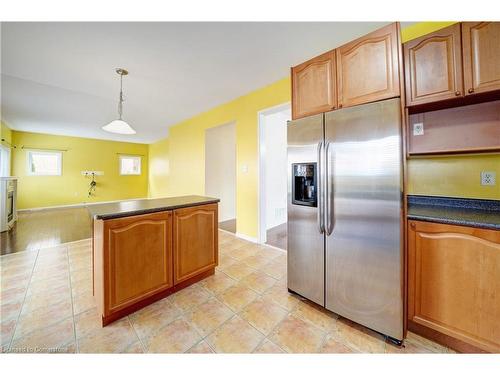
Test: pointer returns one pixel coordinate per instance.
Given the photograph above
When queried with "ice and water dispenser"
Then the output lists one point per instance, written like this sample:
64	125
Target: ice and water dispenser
304	184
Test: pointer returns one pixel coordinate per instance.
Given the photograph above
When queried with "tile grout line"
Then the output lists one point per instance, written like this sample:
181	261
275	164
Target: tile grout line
143	346
72	302
24	300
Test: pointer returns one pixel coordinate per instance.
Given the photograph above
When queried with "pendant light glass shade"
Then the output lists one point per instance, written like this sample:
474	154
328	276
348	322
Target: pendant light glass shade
119	126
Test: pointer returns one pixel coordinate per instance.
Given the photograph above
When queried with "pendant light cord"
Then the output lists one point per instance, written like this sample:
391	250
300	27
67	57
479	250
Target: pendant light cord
120	103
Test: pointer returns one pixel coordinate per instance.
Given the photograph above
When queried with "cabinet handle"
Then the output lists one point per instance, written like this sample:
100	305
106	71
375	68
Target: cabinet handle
412	225
457	93
471	90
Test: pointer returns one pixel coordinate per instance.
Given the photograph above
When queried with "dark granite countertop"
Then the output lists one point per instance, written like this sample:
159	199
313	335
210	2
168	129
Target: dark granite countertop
145	206
480	213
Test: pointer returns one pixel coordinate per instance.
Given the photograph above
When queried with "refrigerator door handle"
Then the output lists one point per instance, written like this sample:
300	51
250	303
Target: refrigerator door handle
321	215
329	191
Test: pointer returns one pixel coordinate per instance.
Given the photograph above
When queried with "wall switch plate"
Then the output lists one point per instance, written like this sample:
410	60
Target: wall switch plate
244	168
418	128
488	178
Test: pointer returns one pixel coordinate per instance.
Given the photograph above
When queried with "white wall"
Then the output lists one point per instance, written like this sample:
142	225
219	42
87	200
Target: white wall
220	168
275	164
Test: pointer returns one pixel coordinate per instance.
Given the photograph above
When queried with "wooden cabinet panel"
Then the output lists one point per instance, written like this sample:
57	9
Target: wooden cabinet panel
481	49
433	66
470	128
313	86
195	241
454	283
368	68
138	257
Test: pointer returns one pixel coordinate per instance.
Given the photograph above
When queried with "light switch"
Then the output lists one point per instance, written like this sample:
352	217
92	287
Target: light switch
418	128
244	168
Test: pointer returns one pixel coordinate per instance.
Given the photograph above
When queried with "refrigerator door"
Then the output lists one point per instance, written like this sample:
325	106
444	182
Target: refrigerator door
364	249
306	248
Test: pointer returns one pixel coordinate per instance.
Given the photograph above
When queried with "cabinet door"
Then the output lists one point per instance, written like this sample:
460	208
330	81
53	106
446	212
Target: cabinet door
313	86
481	48
195	241
454	283
368	68
138	252
433	66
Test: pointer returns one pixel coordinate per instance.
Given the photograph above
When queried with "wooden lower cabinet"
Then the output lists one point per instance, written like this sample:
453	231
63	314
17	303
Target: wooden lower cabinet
454	285
195	241
140	259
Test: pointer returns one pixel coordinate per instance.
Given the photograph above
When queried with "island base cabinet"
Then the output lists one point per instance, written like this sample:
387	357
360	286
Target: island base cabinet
454	285
195	241
134	262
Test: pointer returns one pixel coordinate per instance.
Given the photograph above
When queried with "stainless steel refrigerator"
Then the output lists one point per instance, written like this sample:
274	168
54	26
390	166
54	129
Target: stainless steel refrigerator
345	242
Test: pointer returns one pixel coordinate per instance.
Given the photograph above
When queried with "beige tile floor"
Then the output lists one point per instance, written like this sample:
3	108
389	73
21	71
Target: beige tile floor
47	306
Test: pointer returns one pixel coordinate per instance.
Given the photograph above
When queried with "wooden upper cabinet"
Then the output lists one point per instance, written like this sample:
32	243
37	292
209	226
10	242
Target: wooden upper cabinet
453	283
481	49
433	66
368	68
135	275
313	86
195	241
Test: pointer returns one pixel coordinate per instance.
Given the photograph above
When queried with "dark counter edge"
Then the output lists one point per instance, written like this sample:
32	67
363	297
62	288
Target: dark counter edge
469	204
151	210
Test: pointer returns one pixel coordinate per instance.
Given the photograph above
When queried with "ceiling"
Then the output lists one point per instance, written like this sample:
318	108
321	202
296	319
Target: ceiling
59	78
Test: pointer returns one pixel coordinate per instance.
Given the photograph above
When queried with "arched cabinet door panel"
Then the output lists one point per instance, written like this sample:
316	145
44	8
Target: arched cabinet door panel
313	86
138	254
433	66
368	68
481	48
195	241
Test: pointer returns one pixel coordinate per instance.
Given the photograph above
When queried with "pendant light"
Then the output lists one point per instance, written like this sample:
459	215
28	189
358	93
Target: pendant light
119	126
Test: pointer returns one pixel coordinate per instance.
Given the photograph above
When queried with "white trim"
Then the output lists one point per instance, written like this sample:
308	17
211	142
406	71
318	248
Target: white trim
83	204
248	238
8	163
261	201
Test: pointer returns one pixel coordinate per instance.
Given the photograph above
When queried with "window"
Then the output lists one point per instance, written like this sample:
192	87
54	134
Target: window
44	163
130	164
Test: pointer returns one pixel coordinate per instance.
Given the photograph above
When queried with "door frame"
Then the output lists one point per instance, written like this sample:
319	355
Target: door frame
261	183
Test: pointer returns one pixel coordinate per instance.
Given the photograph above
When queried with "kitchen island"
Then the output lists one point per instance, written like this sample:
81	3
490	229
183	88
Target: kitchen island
145	249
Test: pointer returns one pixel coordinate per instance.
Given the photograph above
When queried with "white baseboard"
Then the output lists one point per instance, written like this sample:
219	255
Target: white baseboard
248	238
83	204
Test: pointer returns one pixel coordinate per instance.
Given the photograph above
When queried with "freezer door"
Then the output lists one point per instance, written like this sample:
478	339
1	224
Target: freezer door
306	255
364	249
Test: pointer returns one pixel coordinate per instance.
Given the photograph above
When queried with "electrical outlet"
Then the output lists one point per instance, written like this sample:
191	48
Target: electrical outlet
488	178
418	128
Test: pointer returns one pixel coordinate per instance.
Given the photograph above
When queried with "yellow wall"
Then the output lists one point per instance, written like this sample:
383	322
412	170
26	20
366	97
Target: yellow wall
184	151
5	133
456	176
72	187
159	168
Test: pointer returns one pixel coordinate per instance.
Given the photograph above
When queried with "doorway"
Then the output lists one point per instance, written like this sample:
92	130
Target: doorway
273	175
220	172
